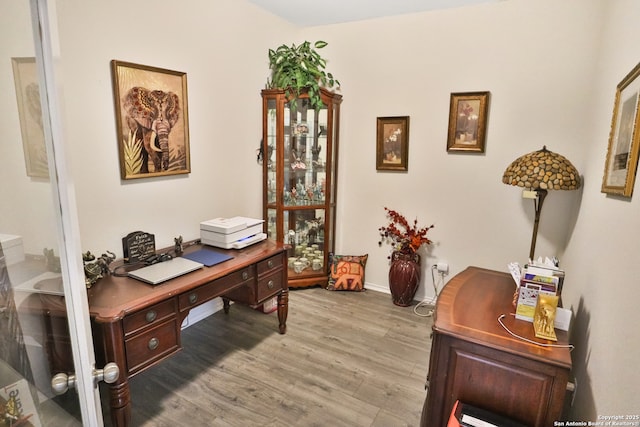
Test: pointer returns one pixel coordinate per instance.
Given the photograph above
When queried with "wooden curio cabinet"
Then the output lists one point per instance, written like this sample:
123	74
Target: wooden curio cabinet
300	159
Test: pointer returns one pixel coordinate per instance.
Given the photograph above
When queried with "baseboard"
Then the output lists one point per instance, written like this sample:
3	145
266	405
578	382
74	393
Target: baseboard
207	309
385	290
203	311
377	288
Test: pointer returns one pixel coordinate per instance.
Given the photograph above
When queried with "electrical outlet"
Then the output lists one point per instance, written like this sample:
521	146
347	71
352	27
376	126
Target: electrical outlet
442	267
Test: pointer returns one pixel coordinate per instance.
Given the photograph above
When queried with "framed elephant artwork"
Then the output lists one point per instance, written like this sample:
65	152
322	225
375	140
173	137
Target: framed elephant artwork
152	120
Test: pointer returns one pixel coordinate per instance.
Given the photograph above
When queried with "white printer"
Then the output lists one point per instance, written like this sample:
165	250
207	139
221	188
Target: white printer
232	233
12	248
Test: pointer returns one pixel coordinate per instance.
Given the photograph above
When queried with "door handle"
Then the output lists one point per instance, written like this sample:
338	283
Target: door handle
62	382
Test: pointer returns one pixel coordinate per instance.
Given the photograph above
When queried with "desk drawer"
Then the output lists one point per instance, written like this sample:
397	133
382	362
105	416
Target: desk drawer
257	292
269	286
150	316
216	288
269	264
152	345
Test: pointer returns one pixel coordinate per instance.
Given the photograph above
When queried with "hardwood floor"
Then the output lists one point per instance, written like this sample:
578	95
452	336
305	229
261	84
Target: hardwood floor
347	359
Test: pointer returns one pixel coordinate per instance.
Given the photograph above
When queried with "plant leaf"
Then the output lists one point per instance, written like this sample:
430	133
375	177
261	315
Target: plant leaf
132	149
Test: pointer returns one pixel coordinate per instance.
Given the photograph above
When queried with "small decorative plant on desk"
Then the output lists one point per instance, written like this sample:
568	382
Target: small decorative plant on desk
404	272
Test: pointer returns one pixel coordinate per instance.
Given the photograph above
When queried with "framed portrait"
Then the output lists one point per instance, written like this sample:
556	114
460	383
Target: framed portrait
622	154
152	120
468	121
392	146
25	76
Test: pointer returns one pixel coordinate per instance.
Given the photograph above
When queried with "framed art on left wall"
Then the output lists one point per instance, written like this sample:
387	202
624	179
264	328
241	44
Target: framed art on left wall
30	114
152	120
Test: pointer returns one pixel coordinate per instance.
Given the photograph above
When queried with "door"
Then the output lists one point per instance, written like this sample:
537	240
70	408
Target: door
44	319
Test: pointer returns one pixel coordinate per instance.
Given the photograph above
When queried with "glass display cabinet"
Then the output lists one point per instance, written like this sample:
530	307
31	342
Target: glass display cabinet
300	158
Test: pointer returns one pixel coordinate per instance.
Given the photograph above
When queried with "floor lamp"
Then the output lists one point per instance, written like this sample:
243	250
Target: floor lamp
536	173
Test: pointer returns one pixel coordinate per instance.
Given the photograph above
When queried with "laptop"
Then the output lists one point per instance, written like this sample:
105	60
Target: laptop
163	271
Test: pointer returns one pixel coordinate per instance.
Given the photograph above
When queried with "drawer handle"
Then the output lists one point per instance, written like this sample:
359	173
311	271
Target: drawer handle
153	343
151	316
270	263
245	275
270	284
193	298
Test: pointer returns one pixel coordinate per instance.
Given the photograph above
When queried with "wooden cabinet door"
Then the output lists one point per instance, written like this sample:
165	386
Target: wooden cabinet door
510	385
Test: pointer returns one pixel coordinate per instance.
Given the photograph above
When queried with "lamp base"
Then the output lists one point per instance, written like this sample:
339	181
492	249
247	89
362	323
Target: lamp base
541	194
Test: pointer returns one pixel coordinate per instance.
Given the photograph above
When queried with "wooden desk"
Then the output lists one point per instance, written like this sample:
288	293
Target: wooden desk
475	360
137	325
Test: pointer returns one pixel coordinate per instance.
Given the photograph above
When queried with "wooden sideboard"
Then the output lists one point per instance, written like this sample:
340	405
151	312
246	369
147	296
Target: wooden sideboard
137	325
475	360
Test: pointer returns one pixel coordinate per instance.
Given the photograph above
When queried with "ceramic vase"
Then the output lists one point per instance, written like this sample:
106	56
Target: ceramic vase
404	277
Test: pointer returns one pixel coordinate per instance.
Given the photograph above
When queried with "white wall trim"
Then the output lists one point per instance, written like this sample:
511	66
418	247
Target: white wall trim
202	312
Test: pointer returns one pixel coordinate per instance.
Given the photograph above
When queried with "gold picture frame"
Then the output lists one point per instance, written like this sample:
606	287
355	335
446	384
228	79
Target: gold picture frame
25	76
152	120
468	121
392	143
624	138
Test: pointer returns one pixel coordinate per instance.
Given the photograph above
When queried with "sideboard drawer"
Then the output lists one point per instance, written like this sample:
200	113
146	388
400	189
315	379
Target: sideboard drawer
269	264
152	345
215	288
150	316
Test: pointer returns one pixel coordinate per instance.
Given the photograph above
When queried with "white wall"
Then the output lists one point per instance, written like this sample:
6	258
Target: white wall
536	59
604	250
23	200
222	46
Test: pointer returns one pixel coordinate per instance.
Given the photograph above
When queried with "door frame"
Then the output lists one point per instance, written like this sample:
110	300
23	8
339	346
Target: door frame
46	42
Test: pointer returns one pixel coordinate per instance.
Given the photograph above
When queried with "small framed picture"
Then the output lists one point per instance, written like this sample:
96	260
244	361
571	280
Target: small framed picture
392	146
624	138
152	120
468	121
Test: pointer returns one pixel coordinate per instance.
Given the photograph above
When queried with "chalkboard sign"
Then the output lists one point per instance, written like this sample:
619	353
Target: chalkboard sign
138	246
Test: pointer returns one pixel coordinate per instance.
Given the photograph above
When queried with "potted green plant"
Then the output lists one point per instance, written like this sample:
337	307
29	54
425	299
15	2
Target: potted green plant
297	69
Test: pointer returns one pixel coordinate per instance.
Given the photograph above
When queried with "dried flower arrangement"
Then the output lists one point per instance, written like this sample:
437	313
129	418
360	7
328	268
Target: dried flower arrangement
405	237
